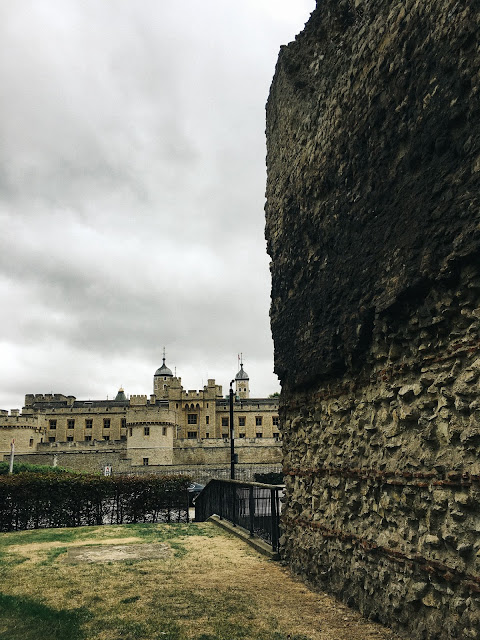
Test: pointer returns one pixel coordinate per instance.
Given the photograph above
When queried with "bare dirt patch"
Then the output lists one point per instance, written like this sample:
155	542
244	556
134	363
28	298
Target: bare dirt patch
114	553
28	549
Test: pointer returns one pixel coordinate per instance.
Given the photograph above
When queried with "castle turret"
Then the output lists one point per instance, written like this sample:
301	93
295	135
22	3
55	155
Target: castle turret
161	380
121	397
242	389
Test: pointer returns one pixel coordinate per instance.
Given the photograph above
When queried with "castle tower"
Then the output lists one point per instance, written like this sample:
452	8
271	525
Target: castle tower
121	397
242	389
161	380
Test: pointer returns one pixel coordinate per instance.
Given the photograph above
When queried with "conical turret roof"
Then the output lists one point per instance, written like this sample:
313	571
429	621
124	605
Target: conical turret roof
121	397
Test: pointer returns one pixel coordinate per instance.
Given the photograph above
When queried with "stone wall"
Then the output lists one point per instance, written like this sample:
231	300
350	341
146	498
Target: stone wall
92	460
373	162
201	459
217	451
26	431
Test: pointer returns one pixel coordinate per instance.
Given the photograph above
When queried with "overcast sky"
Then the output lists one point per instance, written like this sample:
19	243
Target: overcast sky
132	180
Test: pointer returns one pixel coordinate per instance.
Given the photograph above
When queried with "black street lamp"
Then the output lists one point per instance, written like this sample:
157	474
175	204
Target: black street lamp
232	436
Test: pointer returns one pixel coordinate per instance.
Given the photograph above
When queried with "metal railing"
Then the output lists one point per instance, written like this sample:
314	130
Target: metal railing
252	505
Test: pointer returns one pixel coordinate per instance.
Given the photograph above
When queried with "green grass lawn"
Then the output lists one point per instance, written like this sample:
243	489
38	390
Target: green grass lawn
46	597
207	585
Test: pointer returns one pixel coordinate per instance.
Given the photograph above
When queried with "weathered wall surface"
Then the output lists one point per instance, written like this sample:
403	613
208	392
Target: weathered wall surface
373	161
373	170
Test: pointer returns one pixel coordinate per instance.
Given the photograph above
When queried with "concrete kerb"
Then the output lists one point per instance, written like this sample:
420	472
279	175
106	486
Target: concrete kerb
257	543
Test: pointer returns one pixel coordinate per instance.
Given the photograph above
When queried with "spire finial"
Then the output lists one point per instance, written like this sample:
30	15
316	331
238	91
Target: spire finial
163	355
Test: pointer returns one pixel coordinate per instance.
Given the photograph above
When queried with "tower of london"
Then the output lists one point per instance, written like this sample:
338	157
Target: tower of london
171	429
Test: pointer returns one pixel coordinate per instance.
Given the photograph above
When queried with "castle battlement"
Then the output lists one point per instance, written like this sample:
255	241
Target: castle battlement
18	421
47	398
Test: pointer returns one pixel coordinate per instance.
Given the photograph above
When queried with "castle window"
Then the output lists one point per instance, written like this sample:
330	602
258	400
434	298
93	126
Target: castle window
69	438
70	424
225	436
258	421
259	435
88	438
207	435
106	437
192	418
52	424
241	435
145	462
88	423
192	435
276	436
164	431
30	444
130	431
123	437
224	422
124	423
146	431
51	439
241	421
207	419
106	423
275	421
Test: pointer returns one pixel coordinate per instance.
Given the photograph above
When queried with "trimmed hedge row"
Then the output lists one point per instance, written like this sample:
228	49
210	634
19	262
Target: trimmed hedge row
32	501
273	477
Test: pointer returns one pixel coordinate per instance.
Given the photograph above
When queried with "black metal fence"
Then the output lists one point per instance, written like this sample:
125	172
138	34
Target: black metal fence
251	505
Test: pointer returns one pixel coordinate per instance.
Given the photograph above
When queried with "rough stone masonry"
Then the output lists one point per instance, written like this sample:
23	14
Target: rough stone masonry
373	228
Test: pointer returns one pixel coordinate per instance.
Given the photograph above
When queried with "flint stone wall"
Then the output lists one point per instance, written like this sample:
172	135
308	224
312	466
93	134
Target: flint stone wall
373	162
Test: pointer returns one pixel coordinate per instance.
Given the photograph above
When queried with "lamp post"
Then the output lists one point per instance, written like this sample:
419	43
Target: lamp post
232	436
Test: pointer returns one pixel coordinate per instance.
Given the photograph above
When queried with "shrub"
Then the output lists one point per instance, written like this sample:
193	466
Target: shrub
34	500
270	478
23	467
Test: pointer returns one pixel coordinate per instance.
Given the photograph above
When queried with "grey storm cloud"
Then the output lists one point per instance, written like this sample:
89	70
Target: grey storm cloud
131	191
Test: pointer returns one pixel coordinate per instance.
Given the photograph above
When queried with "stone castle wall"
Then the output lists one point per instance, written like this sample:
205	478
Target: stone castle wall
26	431
202	460
373	162
217	452
92	460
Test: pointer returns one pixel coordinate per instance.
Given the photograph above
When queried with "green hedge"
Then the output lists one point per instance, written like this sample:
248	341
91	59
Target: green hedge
272	477
35	500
